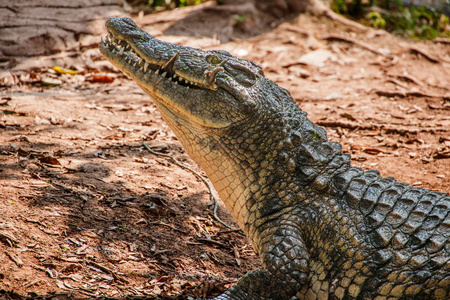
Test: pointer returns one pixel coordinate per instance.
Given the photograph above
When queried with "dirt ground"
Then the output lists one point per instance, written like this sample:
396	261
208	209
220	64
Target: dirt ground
87	211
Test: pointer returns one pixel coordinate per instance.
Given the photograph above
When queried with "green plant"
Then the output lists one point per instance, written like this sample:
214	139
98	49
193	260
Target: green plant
392	15
164	4
419	23
377	20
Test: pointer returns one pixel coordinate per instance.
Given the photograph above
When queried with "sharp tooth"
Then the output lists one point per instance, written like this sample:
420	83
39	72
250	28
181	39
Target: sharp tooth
187	82
164	74
191	83
157	72
145	66
139	60
176	82
174	76
121	51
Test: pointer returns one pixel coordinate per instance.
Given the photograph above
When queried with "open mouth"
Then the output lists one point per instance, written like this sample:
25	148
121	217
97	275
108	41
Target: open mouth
123	52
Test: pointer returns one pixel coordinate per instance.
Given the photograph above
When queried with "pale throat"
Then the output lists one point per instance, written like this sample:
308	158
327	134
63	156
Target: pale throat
225	173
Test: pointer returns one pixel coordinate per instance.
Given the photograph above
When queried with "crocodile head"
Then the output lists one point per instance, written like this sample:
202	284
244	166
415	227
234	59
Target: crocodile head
231	119
203	88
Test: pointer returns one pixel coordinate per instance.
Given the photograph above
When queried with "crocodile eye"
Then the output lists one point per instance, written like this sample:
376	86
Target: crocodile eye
241	73
212	59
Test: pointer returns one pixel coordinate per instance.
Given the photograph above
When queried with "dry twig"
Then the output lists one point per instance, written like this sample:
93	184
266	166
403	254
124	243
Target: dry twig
401	84
410	93
168	225
8	239
353	41
213	242
16	259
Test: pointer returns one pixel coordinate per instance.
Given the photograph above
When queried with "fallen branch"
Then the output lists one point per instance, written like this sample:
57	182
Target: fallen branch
371	127
413	79
428	56
107	271
206	182
295	29
442	40
349	125
400	84
338	18
407	77
410	93
353	41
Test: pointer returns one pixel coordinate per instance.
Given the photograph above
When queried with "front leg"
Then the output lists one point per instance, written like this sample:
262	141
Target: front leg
284	272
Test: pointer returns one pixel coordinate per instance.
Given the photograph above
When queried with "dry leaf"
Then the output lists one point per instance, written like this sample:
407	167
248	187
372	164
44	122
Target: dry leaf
348	116
51	81
64	70
373	151
101	79
356	147
49	160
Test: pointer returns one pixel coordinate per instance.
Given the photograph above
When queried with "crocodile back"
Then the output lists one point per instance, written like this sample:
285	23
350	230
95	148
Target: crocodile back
407	234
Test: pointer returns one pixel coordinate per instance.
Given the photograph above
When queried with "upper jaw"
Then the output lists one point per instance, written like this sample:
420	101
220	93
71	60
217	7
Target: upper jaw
140	55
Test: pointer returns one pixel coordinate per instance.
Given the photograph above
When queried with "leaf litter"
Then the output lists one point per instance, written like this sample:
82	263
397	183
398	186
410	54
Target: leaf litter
87	211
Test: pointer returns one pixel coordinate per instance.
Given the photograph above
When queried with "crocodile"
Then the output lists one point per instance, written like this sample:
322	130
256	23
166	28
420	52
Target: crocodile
322	228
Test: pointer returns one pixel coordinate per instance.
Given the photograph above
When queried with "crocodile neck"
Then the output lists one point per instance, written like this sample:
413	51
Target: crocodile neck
265	166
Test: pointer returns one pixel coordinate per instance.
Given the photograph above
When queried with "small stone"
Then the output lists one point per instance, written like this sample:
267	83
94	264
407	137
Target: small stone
334	95
412	154
317	57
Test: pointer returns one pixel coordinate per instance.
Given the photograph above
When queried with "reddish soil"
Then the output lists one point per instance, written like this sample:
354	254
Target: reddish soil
87	211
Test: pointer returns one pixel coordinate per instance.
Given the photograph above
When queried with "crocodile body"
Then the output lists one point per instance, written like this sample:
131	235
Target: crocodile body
322	228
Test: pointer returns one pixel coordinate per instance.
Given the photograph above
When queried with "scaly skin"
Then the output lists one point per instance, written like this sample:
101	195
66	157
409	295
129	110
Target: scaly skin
323	229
